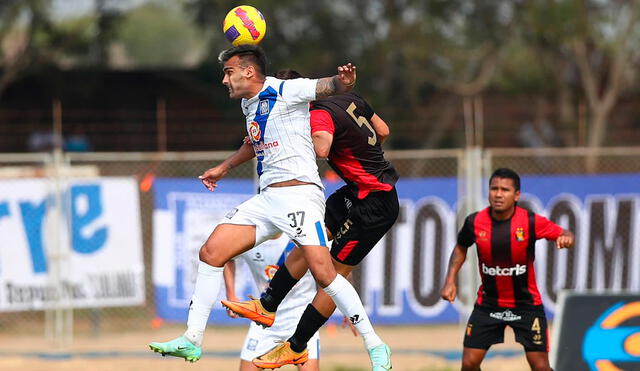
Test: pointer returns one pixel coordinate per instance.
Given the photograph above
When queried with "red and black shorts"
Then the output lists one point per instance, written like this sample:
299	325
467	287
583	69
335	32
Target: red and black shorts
357	225
487	323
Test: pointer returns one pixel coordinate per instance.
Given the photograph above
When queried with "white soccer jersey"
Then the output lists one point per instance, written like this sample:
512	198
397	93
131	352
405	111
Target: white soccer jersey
278	126
263	261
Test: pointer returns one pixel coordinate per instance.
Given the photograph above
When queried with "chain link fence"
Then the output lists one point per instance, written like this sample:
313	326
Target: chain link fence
27	224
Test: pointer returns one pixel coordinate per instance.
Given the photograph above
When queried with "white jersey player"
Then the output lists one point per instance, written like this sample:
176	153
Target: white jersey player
263	260
291	201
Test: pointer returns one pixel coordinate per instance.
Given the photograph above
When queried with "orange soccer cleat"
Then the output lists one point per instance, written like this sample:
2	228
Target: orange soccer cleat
251	309
281	355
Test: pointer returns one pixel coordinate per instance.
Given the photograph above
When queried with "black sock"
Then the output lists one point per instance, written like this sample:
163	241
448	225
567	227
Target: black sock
279	287
309	323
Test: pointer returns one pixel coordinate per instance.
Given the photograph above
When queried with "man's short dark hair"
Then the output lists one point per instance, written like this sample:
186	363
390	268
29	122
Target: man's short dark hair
248	54
288	74
506	173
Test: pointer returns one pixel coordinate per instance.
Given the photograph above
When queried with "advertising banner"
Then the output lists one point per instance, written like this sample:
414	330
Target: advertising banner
598	332
99	262
399	282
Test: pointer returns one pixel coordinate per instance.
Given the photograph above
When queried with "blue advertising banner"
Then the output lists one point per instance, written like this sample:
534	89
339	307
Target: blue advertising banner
401	278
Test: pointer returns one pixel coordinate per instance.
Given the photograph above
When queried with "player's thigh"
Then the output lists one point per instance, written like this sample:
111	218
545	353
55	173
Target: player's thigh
482	330
531	329
227	241
367	222
320	264
242	228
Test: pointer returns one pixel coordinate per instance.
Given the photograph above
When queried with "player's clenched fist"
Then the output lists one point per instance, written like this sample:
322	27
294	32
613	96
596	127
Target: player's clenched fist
449	292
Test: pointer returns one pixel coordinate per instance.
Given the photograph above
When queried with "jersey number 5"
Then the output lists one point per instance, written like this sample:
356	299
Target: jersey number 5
361	120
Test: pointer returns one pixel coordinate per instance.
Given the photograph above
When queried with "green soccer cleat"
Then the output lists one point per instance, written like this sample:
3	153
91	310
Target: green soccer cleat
178	347
380	358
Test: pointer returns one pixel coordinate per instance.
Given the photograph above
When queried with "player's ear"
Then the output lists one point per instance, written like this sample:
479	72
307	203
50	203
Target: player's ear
249	71
517	194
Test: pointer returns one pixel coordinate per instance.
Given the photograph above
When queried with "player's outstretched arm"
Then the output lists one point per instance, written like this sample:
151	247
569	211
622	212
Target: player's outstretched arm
211	177
456	260
338	84
565	240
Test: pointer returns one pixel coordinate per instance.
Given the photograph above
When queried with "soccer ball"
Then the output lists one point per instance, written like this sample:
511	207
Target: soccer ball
244	24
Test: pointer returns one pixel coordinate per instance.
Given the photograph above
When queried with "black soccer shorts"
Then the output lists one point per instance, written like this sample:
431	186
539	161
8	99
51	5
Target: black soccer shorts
357	225
487	323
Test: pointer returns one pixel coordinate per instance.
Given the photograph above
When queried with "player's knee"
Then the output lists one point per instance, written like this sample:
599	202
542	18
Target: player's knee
470	364
208	254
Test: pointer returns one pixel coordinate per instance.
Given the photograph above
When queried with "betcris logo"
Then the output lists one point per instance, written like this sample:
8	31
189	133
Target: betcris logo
509	271
607	342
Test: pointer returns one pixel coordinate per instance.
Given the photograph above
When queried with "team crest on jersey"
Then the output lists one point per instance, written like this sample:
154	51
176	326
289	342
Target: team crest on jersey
254	131
520	234
482	236
264	107
270	270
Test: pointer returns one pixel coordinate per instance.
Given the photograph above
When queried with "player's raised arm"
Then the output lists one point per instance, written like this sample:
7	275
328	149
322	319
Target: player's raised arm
565	240
211	177
457	259
338	84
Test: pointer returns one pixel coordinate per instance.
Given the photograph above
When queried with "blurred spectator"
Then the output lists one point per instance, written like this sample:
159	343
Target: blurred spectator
44	141
77	141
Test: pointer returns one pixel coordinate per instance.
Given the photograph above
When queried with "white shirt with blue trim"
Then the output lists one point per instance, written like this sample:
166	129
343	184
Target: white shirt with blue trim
278	126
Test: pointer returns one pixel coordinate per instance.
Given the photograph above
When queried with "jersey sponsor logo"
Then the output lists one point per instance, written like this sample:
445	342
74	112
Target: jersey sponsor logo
254	131
507	316
258	257
258	147
518	270
520	234
264	107
270	270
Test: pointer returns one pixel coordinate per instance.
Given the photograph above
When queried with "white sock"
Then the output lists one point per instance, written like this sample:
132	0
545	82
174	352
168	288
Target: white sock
208	284
348	302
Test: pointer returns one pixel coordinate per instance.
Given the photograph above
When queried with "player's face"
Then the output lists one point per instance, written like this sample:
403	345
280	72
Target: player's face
234	79
502	195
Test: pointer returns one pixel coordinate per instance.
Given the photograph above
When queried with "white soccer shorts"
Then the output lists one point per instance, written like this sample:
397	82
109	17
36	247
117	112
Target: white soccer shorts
297	211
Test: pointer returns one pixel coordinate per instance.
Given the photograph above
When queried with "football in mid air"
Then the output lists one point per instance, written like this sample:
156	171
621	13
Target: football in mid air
244	24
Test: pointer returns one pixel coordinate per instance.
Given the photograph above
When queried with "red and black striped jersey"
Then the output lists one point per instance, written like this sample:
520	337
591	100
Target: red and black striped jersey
355	154
506	251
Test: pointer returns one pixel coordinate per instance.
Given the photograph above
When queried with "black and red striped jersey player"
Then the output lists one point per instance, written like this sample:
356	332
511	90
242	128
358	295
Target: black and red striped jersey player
505	236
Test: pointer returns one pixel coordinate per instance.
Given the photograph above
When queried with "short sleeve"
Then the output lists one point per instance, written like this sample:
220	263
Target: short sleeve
321	121
546	228
466	236
298	91
366	108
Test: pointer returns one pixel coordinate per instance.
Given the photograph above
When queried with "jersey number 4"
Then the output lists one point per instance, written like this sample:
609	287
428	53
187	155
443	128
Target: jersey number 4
361	120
